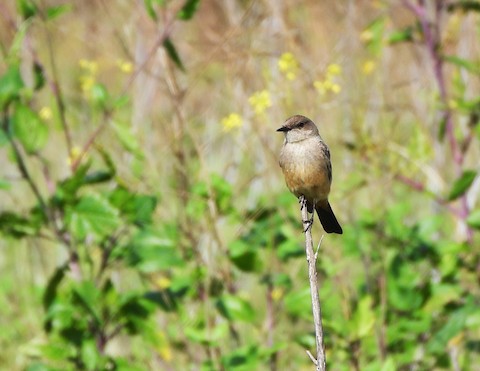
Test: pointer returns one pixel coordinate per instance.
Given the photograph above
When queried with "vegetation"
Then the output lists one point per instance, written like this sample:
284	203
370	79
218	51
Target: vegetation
144	223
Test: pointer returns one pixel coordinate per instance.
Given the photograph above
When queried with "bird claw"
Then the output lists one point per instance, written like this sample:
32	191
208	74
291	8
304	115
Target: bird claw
309	223
302	201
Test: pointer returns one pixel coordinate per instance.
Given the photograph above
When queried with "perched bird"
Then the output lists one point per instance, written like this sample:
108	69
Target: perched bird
305	161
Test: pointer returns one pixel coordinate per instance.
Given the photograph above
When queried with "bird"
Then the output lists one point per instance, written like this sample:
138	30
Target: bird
306	165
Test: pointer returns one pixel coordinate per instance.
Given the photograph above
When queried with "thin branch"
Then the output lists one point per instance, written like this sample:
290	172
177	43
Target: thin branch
432	41
320	363
55	84
318	247
312	357
22	167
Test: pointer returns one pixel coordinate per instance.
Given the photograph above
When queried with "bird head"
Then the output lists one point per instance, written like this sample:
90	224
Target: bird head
298	128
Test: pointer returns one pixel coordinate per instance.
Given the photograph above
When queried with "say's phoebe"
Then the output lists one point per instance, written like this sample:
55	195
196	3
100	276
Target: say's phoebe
305	161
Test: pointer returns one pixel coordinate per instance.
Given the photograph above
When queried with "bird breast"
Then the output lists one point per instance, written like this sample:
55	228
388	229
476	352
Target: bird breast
305	167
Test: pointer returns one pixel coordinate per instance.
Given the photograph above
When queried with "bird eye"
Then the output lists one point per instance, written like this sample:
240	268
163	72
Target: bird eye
301	124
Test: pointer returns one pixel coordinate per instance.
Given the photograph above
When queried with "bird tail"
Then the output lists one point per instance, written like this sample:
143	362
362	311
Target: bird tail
327	218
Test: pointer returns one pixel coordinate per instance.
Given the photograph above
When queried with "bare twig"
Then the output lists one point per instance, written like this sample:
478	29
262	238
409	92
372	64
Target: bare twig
55	83
320	362
312	357
318	247
430	24
22	167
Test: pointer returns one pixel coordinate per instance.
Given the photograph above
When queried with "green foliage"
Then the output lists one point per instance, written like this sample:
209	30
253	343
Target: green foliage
28	128
172	53
11	84
462	184
188	10
124	252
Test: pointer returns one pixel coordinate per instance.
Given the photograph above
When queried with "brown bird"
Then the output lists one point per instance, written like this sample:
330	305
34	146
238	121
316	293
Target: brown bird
305	161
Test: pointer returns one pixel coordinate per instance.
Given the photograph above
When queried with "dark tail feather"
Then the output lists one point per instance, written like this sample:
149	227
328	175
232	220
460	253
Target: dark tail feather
327	218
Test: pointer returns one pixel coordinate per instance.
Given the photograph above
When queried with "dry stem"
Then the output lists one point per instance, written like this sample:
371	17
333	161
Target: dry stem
319	362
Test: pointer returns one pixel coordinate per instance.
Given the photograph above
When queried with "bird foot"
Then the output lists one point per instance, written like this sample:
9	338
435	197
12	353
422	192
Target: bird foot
309	224
302	201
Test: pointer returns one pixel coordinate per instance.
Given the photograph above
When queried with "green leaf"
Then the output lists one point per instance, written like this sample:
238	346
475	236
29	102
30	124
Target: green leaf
29	128
18	226
90	354
11	84
464	5
244	256
374	34
57	351
461	185
149	251
92	215
298	303
463	63
363	319
442	295
188	9
27	8
38	366
38	76
88	297
403	292
243	359
306	340
401	36
51	290
289	249
56	11
442	129
454	325
96	177
135	310
128	140
204	335
473	219
172	53
67	190
99	94
235	309
149	7
136	208
222	193
5	184
389	365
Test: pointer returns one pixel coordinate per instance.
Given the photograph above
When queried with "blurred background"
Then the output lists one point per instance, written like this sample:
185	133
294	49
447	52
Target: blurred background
144	220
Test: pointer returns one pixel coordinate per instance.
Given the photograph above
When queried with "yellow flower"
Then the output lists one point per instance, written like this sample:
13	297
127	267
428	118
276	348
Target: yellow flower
163	282
452	104
89	66
368	67
86	84
88	77
288	65
260	101
165	352
45	113
335	88
125	66
75	154
328	85
366	36
334	69
319	85
232	121
277	293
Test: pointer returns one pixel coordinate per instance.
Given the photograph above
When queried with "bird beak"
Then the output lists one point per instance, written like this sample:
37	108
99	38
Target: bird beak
283	128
